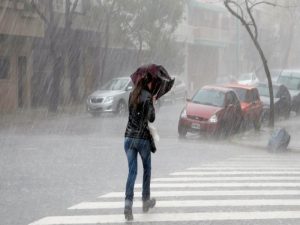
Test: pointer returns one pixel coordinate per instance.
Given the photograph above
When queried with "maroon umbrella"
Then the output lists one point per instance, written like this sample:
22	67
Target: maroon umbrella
162	81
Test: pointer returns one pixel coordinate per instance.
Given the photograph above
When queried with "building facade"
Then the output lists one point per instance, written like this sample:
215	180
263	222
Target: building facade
18	27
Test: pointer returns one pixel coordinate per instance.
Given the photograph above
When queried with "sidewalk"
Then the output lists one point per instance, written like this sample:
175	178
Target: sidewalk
259	139
29	117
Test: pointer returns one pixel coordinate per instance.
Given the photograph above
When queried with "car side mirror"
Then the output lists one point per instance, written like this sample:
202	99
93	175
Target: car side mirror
188	99
129	88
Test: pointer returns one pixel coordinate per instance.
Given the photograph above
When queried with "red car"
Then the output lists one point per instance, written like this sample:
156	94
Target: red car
214	110
251	104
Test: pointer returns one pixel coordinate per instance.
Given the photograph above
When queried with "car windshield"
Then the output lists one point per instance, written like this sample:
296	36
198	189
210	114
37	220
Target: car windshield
292	83
115	84
209	97
242	94
264	90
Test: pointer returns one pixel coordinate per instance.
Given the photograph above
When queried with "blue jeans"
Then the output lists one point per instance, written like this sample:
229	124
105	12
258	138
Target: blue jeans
133	146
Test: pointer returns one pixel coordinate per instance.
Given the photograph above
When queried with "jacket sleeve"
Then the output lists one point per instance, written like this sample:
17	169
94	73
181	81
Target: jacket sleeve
151	110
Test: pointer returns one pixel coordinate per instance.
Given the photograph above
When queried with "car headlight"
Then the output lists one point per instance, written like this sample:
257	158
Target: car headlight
183	113
109	99
213	119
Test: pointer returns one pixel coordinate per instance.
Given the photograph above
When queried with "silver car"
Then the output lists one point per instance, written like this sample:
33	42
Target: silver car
112	97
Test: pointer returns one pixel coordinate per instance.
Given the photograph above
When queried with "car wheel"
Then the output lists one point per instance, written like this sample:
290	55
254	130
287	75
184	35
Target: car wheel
121	109
182	131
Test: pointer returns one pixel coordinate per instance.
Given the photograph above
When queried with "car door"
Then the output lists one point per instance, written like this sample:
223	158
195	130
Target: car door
256	105
229	110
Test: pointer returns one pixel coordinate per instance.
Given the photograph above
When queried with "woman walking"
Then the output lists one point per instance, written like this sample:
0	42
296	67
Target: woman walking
137	141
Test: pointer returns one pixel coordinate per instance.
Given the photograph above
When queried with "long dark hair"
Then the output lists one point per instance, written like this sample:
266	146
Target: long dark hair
142	84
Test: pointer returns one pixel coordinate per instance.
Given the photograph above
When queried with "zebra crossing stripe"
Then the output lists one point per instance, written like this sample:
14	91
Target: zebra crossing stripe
254	178
208	193
232	184
189	173
192	203
244	168
168	217
250	164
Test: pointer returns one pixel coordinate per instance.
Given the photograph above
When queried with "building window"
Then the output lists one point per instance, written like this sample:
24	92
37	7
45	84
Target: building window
4	67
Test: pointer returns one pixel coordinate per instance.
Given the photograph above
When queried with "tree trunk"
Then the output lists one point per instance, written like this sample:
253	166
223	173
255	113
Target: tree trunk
260	51
55	84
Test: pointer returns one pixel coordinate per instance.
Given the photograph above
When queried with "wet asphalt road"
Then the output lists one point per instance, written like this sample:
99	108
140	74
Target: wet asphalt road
48	164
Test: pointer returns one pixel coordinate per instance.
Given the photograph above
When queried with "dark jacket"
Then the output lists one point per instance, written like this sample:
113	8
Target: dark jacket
137	126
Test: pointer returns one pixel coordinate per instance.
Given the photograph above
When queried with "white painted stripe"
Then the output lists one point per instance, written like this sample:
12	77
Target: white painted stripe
249	164
235	173
244	168
253	164
168	217
208	193
192	203
264	160
232	184
262	157
253	178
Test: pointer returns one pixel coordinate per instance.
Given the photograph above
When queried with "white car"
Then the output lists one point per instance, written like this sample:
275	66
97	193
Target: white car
112	97
248	79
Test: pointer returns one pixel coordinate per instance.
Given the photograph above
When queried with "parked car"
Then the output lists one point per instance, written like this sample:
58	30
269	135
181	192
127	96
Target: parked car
248	78
178	92
251	104
291	79
213	110
112	97
282	100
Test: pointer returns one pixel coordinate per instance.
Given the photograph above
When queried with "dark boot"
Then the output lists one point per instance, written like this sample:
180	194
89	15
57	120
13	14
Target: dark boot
150	203
128	210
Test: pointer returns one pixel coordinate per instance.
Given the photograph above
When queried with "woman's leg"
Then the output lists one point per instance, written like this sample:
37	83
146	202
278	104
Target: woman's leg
145	153
131	154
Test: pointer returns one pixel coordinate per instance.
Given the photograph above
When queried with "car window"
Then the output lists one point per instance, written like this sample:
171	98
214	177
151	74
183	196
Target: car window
235	99
115	84
290	82
228	99
243	94
255	95
209	97
264	90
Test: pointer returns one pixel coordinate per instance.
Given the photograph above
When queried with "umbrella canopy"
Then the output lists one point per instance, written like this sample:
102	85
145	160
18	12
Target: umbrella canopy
162	82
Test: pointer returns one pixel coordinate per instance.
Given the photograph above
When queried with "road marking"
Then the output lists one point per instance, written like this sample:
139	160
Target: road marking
234	173
254	178
263	160
192	203
207	193
242	168
232	184
168	217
